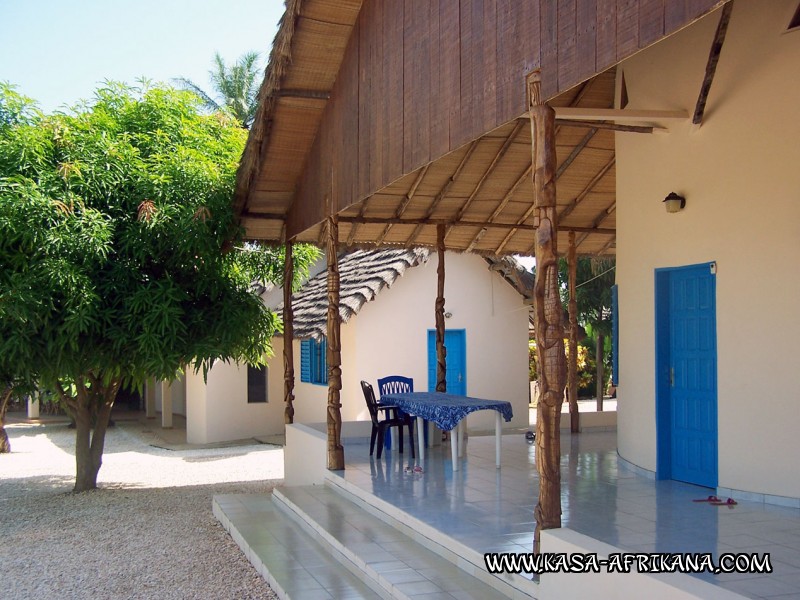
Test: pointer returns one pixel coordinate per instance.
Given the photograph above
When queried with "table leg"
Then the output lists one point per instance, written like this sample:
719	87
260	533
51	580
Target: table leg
420	440
462	425
498	436
454	447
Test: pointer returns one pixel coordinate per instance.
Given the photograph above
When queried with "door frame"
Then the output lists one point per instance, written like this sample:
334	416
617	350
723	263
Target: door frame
662	364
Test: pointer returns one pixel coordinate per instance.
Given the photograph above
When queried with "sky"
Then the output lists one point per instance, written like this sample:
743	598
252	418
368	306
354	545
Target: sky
58	51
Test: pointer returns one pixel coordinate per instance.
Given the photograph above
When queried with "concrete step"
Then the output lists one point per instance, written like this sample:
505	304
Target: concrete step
469	560
392	563
292	562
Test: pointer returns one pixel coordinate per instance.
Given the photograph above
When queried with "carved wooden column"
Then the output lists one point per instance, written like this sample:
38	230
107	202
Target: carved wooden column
334	356
288	335
441	351
572	365
547	314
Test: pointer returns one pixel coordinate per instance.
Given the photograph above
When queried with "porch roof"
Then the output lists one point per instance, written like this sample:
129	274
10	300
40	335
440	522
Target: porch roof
481	188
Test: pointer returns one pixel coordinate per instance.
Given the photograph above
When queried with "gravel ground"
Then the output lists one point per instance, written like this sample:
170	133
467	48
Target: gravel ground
148	532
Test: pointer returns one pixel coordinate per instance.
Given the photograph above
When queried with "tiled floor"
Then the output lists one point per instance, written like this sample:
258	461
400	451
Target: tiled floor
492	510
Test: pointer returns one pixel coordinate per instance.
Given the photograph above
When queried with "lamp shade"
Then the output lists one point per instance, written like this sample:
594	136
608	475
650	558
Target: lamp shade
674	202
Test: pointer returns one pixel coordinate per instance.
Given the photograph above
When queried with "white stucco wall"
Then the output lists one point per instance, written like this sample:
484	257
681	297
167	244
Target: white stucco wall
218	409
739	173
389	337
178	397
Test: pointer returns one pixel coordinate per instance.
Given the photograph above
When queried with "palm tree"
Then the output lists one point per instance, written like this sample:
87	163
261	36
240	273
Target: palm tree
235	86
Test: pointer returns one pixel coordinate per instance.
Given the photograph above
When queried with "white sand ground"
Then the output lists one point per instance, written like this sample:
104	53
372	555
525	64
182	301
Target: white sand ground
148	532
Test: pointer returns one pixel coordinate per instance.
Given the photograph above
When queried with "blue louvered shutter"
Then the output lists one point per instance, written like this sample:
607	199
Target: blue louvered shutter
305	361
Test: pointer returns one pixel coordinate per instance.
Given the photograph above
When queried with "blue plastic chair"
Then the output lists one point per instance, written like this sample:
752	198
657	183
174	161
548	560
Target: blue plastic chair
395	384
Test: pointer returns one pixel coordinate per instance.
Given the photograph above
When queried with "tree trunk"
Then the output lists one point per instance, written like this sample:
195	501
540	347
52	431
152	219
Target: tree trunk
334	355
5	445
572	366
547	315
441	350
599	373
288	336
92	405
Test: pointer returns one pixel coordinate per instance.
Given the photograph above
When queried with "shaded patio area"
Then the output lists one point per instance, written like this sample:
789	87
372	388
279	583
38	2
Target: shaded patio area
491	510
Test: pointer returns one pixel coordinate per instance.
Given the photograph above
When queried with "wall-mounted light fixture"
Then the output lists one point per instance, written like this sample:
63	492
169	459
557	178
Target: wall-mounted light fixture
674	202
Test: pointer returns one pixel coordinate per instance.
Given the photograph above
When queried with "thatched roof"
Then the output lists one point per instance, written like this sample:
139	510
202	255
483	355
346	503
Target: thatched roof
363	275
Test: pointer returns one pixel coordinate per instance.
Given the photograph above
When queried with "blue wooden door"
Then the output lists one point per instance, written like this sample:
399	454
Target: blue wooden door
455	341
688	373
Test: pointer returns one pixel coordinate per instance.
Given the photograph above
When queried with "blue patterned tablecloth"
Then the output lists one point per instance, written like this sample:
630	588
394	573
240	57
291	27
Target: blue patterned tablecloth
446	410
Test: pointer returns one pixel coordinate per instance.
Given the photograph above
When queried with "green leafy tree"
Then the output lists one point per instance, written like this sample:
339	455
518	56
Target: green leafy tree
120	255
235	87
594	279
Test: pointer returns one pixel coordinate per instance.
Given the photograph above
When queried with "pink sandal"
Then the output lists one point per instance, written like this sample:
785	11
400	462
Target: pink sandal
711	499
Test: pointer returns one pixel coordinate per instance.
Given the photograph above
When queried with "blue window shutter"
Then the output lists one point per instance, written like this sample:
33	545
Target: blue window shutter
305	361
614	336
323	362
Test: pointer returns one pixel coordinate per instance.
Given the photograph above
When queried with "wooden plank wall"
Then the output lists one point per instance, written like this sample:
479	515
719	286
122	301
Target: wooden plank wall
421	78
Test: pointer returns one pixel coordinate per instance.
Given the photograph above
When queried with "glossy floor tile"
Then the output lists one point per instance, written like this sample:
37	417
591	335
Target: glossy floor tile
491	510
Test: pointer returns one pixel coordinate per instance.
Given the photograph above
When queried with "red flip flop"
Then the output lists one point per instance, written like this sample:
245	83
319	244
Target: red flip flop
729	502
711	499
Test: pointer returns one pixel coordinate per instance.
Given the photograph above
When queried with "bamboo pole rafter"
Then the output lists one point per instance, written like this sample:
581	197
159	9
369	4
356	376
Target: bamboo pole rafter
288	335
334	353
547	314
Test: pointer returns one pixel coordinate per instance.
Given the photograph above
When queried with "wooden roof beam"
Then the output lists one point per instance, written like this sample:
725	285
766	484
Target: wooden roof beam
585	192
492	166
452	223
611	126
567	162
405	202
619	115
596	225
443	192
711	65
607	245
575	152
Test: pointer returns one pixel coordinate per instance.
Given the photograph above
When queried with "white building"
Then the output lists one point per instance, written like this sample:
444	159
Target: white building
708	356
486	339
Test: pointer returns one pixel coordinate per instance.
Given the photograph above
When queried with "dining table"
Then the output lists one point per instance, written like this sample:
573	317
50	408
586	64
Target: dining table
448	411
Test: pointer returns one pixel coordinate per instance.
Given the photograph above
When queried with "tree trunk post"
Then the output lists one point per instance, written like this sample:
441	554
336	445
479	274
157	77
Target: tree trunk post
166	405
599	351
547	314
288	335
334	354
441	350
572	365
